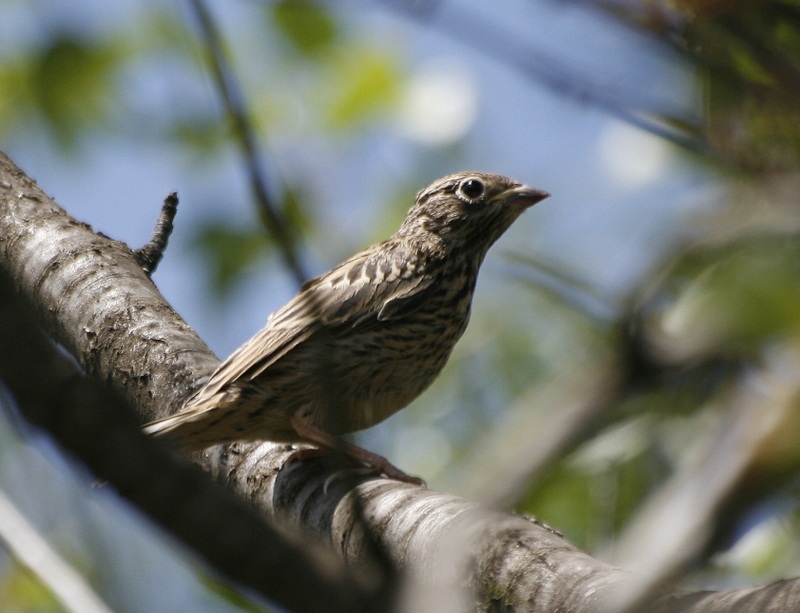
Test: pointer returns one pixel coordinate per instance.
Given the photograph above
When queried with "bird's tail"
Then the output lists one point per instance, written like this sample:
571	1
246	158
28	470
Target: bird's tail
188	429
163	427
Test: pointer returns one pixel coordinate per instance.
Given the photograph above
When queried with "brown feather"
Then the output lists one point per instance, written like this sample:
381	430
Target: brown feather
363	340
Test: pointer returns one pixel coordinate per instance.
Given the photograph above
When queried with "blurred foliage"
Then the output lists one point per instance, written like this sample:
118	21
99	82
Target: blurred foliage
711	308
710	313
203	137
594	496
728	300
747	57
21	591
310	28
66	66
354	80
718	304
67	83
294	209
229	251
362	83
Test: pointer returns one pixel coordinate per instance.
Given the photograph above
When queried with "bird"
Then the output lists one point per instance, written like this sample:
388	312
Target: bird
360	342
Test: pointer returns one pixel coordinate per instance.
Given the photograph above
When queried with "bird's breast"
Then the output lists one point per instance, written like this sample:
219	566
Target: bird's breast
380	370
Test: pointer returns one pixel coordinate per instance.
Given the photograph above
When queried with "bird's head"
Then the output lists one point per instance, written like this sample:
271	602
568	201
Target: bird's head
469	209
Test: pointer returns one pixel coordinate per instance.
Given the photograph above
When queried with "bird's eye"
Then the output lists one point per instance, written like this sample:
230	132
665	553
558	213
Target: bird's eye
472	188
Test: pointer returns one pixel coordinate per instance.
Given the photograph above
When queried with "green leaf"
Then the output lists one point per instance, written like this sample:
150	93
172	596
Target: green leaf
749	68
20	590
12	86
592	494
202	136
70	84
307	26
229	251
361	83
733	299
293	210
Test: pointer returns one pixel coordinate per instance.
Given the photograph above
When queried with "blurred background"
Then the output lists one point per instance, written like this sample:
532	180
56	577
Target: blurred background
632	349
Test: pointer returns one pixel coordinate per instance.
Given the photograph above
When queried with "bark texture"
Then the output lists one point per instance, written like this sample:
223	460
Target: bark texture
91	296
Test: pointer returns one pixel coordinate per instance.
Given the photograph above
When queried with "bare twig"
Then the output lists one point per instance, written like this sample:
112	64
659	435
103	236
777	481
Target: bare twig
556	75
150	254
233	100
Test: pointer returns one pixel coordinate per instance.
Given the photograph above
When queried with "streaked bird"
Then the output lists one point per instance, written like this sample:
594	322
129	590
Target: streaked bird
360	342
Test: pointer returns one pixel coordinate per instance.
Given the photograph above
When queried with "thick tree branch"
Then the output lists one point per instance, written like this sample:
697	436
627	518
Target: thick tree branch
93	424
92	296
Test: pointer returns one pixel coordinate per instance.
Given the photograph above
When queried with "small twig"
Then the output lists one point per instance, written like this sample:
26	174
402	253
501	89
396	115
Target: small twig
150	254
233	100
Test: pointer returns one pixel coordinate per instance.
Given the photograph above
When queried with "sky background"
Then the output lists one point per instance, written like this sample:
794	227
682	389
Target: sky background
620	195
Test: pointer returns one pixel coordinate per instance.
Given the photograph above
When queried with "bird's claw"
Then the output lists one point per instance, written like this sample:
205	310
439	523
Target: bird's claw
380	467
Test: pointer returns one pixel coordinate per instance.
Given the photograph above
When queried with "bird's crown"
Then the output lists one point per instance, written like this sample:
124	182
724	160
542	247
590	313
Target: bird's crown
473	208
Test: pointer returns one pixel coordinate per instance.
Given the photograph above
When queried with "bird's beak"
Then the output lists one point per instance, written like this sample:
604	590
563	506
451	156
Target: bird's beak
523	196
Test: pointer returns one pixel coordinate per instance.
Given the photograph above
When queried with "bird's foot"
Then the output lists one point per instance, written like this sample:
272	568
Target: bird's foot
369	463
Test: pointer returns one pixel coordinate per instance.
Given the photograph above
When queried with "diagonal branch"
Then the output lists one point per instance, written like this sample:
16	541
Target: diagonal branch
233	100
556	75
90	294
31	550
94	424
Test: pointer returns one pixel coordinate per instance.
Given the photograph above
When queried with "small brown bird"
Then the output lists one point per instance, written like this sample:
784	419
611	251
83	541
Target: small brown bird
362	341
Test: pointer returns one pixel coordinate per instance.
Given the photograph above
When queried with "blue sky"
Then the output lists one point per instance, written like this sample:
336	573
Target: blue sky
618	193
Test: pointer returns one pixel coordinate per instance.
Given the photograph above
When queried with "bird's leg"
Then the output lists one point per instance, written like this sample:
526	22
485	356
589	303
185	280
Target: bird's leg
374	463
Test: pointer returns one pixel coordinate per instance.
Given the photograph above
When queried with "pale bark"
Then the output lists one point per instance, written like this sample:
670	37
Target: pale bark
92	297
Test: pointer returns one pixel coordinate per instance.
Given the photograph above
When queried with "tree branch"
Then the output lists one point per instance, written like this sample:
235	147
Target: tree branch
233	100
92	296
150	254
92	422
548	70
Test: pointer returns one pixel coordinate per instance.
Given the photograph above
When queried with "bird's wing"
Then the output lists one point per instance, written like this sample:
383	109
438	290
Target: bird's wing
370	287
379	288
264	349
378	284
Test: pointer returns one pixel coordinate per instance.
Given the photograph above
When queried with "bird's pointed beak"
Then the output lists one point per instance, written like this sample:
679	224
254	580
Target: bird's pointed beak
523	196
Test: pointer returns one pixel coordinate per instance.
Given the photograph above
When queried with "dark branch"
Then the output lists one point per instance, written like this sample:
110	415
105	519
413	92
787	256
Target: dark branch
150	254
95	425
113	331
559	77
233	100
